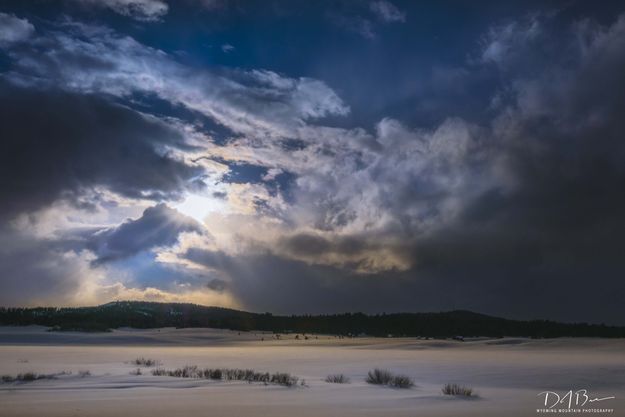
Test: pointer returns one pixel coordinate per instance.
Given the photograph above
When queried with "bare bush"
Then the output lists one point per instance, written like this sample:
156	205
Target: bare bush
145	362
401	381
379	377
384	377
28	377
455	389
285	379
229	374
337	379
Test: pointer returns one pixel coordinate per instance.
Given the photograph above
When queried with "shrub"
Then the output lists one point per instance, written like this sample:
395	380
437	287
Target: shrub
285	379
384	377
83	374
29	377
229	374
455	389
379	377
337	379
136	372
401	381
145	362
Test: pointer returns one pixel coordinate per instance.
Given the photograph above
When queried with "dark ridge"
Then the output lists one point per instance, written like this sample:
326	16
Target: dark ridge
143	315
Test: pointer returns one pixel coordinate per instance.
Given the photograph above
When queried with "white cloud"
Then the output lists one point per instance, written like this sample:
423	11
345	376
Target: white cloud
387	11
504	42
259	102
347	182
145	10
13	29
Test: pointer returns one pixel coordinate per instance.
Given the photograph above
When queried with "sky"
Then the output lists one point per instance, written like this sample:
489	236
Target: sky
315	156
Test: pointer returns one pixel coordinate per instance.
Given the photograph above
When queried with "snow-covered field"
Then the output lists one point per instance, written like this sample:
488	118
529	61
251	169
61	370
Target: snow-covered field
508	374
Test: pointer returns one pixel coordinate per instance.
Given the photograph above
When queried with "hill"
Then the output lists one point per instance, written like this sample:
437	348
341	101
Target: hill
140	314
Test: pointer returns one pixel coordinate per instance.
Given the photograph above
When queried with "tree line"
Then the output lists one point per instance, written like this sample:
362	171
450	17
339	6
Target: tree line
143	315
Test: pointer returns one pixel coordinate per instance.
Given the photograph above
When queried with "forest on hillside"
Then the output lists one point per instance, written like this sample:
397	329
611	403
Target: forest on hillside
144	315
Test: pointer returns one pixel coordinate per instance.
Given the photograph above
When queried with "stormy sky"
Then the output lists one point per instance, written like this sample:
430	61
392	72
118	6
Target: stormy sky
315	157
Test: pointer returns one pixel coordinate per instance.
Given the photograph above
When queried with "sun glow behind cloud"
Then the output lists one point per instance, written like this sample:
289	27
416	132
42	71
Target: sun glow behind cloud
199	207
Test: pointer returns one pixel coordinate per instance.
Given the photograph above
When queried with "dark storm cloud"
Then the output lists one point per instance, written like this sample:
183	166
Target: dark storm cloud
264	282
57	144
559	228
562	141
538	232
158	226
558	141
